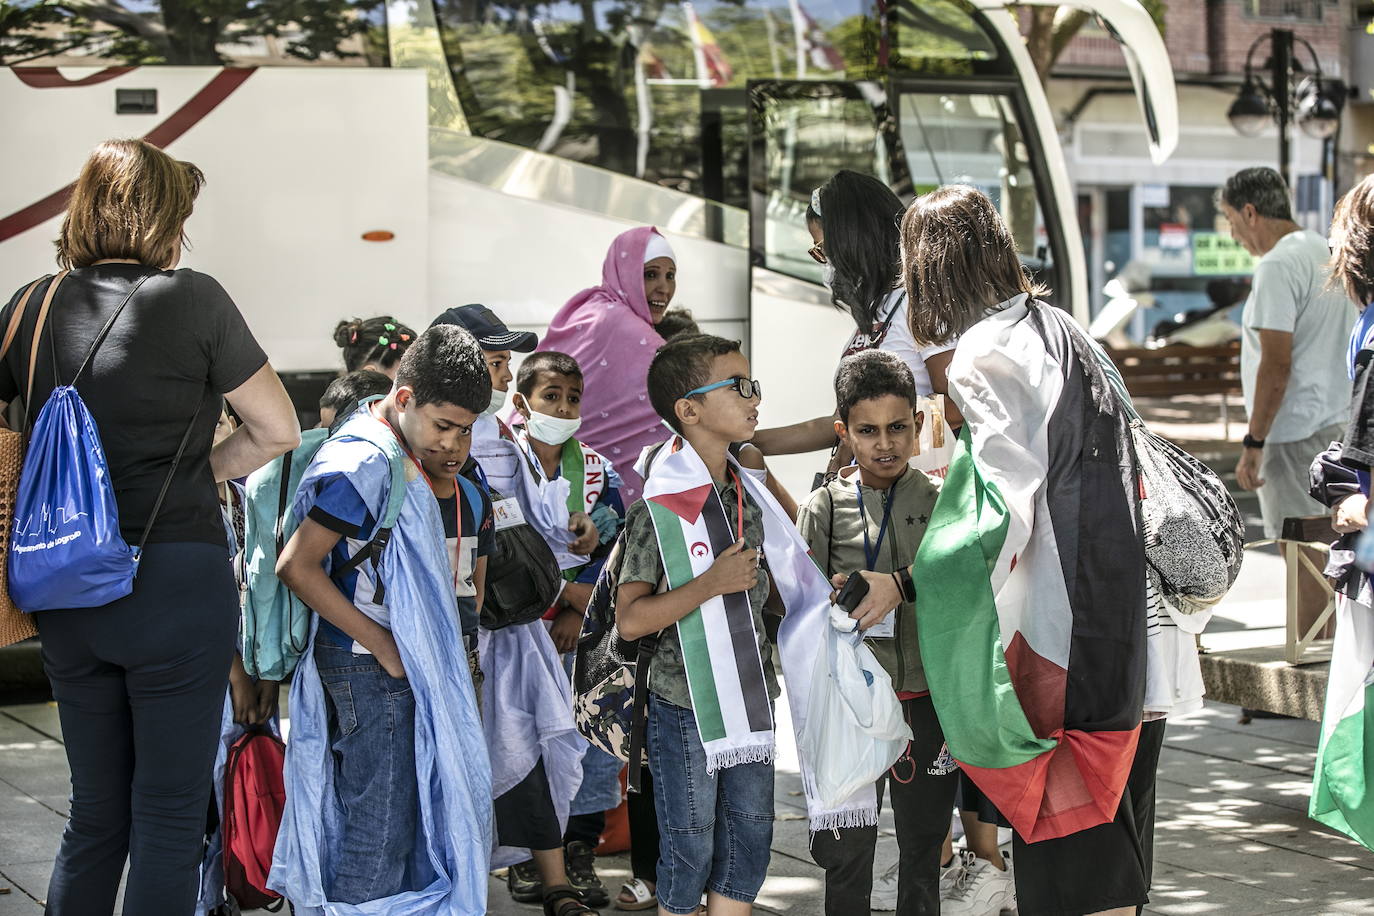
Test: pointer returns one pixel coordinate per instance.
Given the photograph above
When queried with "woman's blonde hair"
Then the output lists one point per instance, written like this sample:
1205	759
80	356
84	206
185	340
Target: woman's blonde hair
1352	242
131	200
958	261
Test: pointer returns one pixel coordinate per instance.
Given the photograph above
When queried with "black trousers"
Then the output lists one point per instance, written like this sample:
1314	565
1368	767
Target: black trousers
643	817
921	785
140	687
1103	867
643	820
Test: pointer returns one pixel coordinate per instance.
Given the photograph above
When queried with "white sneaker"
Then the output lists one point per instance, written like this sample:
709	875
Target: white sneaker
980	891
884	896
950	874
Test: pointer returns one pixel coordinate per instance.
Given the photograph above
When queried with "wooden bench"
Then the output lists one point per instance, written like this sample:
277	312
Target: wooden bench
1181	369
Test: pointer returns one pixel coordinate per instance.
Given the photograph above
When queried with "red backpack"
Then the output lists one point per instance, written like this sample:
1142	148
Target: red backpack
254	796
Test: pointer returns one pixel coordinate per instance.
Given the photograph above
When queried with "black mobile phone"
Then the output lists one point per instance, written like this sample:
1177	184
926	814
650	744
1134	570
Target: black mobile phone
854	591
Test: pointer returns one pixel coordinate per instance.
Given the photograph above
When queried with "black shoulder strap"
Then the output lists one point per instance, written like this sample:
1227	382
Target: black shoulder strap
283	493
167	483
639	710
104	332
373	551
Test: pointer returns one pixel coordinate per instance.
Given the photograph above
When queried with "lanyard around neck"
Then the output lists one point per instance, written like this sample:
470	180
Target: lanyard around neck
871	553
739	506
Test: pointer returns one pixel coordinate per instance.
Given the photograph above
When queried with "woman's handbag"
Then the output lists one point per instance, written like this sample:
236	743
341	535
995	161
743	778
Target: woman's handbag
15	625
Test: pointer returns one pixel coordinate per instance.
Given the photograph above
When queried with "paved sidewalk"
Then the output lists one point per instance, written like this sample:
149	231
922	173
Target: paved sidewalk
1233	836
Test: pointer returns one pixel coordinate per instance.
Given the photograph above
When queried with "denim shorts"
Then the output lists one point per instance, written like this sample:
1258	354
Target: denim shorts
372	736
714	831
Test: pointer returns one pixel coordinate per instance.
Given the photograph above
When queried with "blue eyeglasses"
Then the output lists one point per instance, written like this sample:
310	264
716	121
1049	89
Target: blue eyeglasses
747	388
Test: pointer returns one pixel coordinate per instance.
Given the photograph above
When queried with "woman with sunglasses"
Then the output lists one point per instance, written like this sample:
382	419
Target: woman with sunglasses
853	220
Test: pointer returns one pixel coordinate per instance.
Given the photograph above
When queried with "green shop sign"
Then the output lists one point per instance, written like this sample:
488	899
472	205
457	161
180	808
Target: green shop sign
1216	254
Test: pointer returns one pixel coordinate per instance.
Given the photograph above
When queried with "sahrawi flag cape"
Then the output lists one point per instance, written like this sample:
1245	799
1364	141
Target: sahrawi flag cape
719	646
1030	581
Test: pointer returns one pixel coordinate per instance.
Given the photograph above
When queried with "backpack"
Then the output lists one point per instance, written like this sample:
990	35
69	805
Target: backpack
523	579
610	679
66	549
611	675
254	796
275	623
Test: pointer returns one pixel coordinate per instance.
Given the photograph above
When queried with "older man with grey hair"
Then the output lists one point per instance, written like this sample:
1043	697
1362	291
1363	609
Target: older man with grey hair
1292	357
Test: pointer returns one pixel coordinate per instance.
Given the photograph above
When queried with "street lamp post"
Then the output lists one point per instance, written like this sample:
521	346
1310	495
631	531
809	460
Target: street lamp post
1317	101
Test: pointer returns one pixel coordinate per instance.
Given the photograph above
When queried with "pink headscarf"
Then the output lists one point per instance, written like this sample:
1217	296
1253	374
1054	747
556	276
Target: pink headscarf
608	331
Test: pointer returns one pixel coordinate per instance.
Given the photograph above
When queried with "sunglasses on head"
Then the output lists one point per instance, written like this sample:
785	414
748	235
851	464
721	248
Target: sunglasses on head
747	388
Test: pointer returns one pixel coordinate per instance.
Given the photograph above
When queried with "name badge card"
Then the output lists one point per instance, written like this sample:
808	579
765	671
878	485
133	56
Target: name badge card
506	512
885	629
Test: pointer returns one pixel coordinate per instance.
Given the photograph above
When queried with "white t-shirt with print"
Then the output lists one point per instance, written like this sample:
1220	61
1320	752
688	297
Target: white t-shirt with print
896	339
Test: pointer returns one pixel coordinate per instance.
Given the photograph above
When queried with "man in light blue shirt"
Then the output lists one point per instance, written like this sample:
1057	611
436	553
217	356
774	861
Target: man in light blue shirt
1295	331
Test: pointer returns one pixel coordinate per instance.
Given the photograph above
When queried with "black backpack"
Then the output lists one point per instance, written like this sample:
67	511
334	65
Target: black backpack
523	578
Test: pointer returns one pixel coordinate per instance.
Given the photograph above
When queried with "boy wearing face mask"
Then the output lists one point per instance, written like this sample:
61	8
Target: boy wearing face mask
548	398
504	468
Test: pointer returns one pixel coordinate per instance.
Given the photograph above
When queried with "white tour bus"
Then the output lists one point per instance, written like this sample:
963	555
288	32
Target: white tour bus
403	156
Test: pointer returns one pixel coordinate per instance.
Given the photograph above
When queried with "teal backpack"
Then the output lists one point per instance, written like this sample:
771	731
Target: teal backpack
275	623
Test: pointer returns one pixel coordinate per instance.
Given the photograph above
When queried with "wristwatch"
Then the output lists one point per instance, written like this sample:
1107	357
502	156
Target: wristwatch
1251	442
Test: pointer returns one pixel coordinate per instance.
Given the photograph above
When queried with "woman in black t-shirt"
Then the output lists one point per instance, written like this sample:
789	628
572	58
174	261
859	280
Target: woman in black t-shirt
140	682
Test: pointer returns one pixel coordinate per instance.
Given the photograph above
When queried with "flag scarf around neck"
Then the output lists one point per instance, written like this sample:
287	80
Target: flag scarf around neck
514	473
1030	597
448	866
719	646
582	468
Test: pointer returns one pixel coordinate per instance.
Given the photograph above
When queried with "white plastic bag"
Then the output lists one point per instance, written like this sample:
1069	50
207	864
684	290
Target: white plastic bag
854	725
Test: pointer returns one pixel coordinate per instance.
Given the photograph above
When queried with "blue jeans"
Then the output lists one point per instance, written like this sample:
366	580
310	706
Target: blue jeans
372	735
715	831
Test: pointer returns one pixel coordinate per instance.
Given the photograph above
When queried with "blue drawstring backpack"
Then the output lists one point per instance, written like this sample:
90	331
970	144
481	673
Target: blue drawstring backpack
65	548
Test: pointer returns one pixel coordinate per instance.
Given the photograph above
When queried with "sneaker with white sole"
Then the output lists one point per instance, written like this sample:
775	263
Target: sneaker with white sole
950	874
981	890
884	896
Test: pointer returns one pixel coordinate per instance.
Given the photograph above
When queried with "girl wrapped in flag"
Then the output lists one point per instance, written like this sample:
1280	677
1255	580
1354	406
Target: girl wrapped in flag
1030	583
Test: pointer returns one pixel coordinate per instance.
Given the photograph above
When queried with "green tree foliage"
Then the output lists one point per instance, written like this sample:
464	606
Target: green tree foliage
187	32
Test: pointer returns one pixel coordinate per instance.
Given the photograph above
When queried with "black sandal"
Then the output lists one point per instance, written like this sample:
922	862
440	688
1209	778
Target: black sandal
571	905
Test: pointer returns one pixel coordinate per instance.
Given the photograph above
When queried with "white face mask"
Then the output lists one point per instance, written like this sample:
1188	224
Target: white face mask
828	276
551	430
498	400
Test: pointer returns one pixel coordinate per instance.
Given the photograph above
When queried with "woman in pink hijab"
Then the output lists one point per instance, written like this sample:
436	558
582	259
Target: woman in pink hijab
609	330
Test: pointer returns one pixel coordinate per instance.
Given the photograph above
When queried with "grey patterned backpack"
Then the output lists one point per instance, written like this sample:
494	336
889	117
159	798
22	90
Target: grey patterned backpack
1194	535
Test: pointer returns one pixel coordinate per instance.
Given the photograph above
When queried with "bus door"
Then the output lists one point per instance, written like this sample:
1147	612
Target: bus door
914	135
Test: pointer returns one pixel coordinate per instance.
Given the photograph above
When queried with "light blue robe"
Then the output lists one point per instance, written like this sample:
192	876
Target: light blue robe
454	839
